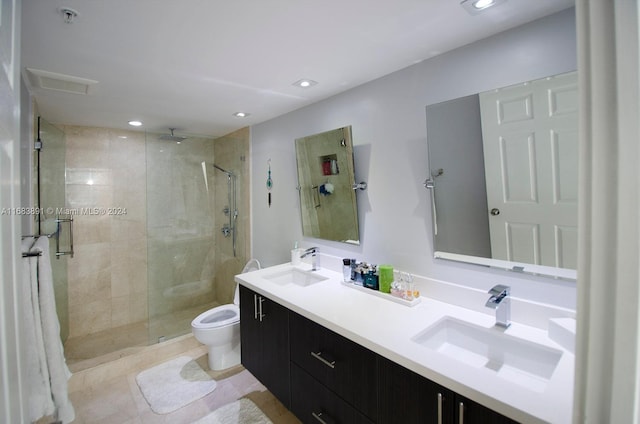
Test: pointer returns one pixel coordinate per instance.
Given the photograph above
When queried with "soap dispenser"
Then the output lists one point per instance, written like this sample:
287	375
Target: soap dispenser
371	279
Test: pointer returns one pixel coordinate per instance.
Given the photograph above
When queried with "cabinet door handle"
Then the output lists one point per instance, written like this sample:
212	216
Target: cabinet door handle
461	413
323	419
318	356
261	299
439	408
255	306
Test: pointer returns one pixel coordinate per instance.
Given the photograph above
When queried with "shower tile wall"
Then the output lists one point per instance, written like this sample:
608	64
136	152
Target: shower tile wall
107	278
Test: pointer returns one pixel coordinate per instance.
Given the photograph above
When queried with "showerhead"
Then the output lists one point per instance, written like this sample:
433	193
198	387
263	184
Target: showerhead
229	173
172	137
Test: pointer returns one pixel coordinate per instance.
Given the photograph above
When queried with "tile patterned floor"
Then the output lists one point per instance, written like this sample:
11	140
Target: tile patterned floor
119	401
93	349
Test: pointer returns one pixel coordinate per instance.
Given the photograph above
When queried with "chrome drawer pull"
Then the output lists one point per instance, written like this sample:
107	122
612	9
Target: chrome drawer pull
322	419
439	408
318	356
461	413
260	311
255	306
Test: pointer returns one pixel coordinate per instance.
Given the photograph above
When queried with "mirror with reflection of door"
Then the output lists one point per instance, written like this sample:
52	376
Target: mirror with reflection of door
325	181
504	175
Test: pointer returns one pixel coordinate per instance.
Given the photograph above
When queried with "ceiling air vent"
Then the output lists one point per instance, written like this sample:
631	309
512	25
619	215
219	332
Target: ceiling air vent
60	82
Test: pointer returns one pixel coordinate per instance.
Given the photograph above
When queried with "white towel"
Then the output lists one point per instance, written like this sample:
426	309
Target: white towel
59	373
39	402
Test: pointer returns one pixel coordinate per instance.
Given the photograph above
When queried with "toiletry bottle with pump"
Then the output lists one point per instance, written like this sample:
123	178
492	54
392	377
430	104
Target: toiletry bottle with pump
353	269
346	270
371	278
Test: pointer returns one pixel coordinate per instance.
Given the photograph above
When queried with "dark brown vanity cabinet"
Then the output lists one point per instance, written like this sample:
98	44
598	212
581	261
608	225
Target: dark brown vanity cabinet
407	397
323	377
314	403
331	375
264	342
470	412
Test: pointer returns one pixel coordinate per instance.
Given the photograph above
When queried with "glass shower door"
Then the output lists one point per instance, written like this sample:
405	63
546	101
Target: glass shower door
49	194
180	234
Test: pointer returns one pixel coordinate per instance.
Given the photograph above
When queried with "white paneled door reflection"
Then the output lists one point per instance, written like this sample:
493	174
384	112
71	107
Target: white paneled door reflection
530	134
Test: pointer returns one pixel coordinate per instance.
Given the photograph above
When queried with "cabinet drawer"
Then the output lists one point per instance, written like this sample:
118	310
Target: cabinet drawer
344	367
313	403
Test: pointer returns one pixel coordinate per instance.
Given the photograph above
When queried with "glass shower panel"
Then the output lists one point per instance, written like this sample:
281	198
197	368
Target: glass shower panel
50	196
180	231
230	153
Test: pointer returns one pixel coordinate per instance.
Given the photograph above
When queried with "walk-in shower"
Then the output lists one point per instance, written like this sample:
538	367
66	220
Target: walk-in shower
156	258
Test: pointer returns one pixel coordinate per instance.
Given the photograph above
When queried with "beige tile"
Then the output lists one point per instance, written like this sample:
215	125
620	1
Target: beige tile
139	308
92	317
110	402
89	259
114	397
120	311
91	229
88	288
225	392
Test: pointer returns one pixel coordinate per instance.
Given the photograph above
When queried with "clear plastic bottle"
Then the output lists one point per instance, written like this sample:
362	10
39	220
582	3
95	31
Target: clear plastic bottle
346	270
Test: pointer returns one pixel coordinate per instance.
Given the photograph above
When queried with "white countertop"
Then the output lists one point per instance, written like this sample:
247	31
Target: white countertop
387	327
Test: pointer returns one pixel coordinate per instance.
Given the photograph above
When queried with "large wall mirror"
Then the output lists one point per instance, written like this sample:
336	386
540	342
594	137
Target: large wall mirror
504	177
325	180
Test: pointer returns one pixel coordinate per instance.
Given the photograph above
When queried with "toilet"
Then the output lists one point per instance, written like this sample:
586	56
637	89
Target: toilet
219	329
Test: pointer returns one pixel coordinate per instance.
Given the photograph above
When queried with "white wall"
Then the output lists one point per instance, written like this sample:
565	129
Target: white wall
456	147
389	135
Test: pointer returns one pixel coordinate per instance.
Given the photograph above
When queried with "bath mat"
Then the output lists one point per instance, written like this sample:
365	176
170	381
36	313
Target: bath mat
242	411
174	384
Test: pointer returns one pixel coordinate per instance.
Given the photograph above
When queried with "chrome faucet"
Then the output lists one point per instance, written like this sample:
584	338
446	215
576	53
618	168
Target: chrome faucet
501	302
313	251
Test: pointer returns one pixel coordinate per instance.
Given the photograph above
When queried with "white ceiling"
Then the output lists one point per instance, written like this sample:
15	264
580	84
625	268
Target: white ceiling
190	64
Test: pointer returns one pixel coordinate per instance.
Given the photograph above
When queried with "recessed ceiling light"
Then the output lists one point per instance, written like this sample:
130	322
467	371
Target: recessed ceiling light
241	114
305	83
481	4
476	6
135	123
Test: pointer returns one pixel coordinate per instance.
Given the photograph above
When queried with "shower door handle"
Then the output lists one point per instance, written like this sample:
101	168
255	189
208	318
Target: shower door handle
59	222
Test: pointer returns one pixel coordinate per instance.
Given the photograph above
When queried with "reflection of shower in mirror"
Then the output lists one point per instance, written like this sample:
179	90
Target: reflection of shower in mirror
326	183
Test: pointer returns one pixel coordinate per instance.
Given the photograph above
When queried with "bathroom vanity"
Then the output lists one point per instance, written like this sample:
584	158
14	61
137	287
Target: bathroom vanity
334	354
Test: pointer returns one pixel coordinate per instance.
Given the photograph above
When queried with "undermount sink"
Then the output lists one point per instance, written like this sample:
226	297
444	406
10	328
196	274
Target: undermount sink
516	360
295	276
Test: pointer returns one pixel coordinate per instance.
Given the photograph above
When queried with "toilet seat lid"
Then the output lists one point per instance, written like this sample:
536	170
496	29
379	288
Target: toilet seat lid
219	316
